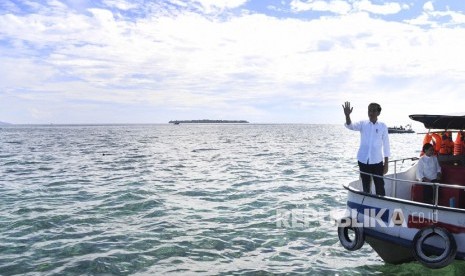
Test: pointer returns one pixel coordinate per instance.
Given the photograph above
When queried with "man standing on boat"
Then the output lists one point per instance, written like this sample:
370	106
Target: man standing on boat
374	145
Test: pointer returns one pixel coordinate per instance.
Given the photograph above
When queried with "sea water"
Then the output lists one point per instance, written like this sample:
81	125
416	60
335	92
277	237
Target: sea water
182	199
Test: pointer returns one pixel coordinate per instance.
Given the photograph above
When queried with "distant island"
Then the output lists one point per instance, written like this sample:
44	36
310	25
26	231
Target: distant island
4	124
205	121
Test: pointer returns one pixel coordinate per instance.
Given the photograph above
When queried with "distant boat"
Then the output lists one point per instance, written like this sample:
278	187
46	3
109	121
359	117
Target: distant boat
401	129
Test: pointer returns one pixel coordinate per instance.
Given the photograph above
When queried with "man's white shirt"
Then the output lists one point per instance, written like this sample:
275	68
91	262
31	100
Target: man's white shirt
428	167
374	141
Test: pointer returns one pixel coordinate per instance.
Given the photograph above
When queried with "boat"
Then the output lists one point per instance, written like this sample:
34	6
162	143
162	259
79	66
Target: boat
401	227
401	129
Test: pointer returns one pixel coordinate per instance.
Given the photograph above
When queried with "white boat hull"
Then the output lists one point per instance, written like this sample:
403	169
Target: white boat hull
390	223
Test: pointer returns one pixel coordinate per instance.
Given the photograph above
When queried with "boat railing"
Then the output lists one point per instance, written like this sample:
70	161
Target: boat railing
402	161
395	180
435	185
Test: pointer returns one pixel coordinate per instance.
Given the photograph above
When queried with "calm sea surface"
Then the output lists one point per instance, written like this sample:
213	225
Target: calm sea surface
186	199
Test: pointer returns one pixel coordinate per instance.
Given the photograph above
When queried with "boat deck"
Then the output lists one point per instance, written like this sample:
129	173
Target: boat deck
404	186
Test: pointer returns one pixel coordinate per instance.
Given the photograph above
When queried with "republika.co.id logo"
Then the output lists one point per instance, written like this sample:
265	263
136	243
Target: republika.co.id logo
370	217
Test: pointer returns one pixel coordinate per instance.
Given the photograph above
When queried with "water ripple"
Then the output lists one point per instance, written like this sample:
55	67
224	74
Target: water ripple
188	199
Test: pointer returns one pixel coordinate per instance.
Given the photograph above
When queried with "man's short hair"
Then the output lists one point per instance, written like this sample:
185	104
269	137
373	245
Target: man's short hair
375	105
427	146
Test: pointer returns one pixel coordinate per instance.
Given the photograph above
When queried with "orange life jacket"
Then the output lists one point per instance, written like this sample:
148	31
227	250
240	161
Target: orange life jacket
447	146
458	144
437	141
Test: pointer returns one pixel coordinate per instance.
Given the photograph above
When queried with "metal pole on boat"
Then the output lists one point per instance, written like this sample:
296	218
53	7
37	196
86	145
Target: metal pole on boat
394	188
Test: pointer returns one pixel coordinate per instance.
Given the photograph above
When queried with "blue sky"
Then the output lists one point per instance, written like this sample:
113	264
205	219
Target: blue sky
290	61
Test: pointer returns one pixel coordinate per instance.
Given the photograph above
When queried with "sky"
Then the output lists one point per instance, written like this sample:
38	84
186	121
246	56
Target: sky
265	61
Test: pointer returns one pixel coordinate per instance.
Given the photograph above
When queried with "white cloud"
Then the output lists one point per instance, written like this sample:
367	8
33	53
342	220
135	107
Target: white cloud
335	6
344	7
457	18
31	4
437	18
120	4
190	61
428	6
8	5
215	6
228	4
56	4
386	8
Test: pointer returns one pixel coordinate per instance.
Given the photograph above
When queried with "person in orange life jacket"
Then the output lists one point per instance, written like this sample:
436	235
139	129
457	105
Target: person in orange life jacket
374	147
428	170
447	145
